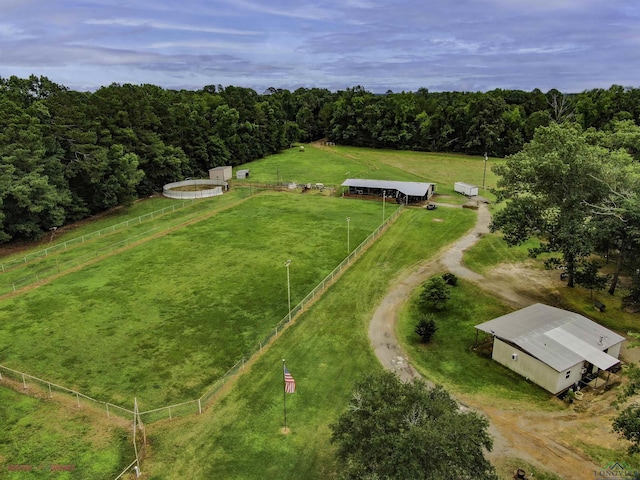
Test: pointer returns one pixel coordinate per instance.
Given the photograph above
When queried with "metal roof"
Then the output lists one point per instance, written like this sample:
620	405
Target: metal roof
414	189
556	337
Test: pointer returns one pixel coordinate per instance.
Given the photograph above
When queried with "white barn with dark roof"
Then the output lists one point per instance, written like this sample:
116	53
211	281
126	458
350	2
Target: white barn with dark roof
553	348
402	192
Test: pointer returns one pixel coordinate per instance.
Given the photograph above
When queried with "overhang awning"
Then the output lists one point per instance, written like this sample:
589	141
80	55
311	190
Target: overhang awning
588	352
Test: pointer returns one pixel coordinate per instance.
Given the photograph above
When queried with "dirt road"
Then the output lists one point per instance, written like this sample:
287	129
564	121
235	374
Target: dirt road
543	439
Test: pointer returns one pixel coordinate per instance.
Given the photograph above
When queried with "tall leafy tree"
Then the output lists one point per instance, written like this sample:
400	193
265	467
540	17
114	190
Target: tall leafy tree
549	188
395	430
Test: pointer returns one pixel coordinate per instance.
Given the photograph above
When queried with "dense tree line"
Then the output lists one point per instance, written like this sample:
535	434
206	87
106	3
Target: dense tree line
65	154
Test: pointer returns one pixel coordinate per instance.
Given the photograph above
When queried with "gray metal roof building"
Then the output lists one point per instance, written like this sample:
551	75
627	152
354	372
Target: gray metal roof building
559	338
414	191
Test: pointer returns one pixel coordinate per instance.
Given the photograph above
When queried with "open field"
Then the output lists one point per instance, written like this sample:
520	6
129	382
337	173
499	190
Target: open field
164	321
326	350
42	439
123	326
332	165
72	252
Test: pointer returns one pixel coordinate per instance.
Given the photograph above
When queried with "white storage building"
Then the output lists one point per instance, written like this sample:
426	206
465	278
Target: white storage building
553	348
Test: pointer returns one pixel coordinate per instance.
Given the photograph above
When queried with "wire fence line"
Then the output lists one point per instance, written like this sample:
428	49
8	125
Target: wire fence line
98	233
48	388
44	271
51	270
197	405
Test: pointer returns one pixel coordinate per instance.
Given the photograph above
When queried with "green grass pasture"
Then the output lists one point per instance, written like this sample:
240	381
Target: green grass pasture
332	165
73	251
326	350
165	320
56	442
492	250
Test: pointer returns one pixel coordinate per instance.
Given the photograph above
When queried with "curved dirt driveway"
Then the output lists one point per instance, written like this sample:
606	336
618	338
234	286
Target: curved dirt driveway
531	436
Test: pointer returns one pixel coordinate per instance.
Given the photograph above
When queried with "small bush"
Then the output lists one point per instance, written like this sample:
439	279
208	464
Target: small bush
426	328
434	295
450	279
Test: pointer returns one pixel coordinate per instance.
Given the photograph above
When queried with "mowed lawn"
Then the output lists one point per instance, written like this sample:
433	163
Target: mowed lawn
450	360
239	437
164	320
41	439
332	165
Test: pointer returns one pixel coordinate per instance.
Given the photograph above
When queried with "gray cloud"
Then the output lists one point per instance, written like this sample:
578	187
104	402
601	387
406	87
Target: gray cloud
380	44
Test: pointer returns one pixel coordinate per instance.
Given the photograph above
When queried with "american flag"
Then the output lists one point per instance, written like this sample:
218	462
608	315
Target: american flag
289	382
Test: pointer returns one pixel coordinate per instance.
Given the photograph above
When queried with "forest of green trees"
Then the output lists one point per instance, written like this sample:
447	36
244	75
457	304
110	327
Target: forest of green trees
65	155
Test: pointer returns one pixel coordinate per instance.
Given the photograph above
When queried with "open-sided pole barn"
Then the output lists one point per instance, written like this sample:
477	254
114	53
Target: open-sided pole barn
402	192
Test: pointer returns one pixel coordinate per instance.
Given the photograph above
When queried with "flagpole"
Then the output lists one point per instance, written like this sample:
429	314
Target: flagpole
284	394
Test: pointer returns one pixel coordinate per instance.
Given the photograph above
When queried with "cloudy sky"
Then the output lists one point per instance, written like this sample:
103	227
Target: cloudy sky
442	45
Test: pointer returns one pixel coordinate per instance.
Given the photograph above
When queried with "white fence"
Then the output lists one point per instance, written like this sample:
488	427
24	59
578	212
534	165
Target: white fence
196	405
98	233
168	191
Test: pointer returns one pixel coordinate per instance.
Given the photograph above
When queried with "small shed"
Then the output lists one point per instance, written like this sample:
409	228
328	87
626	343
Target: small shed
221	174
242	174
553	348
466	189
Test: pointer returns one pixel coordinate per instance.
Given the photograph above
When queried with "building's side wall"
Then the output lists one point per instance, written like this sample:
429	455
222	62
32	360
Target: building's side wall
221	173
615	350
531	368
569	377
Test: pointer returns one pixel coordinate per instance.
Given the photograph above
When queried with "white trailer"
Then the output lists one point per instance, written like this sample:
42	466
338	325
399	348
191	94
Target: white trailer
466	189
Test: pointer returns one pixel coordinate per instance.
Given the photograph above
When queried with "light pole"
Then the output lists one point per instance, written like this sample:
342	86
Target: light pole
287	263
384	195
348	235
484	175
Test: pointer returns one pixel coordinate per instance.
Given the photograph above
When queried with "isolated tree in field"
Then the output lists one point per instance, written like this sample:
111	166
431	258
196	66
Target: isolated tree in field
396	430
550	188
426	327
434	295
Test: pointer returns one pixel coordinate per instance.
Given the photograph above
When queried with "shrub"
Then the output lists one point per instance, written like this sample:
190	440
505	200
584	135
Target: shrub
450	279
434	295
426	328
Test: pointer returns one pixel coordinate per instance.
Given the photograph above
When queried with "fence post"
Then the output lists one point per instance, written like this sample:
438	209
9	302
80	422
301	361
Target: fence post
78	399
50	394
170	414
276	332
199	407
108	416
24	383
0	375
